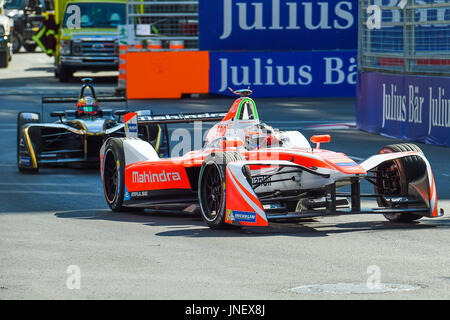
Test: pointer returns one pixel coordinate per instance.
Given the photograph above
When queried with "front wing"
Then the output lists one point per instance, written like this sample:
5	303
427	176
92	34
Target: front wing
245	207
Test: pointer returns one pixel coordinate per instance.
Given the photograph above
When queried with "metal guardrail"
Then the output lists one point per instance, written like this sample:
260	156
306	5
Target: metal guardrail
163	24
411	37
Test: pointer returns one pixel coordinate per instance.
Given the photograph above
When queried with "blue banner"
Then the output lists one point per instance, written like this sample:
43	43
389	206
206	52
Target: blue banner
285	74
413	108
277	24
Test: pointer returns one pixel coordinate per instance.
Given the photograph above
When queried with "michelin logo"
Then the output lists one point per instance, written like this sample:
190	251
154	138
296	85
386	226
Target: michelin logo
242	216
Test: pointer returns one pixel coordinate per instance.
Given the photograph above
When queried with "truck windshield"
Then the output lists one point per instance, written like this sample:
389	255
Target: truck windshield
96	15
14	4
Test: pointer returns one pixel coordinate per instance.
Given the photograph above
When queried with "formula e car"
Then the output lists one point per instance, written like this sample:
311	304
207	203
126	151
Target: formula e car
248	174
79	133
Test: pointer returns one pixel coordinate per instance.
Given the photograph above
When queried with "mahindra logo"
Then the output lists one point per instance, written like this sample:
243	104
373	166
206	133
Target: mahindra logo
149	177
98	46
250	15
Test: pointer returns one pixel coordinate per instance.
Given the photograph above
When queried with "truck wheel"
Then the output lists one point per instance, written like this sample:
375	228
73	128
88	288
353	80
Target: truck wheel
22	119
30	47
16	40
393	178
65	74
211	191
4	60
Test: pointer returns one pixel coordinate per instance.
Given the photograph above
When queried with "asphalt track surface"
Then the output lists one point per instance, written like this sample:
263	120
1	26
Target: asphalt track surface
59	218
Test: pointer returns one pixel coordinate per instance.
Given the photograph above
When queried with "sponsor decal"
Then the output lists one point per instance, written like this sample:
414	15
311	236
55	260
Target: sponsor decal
407	107
265	181
230	215
30	116
25	161
126	195
346	164
277	24
151	177
131	127
285	74
139	194
244	216
166	117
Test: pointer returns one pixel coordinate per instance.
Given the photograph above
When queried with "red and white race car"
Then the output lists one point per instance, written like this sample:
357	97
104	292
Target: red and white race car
248	173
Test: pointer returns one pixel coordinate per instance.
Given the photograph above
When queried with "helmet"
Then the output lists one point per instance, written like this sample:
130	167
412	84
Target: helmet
87	106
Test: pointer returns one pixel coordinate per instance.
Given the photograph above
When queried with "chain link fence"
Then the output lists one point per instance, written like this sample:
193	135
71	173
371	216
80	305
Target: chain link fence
404	36
163	24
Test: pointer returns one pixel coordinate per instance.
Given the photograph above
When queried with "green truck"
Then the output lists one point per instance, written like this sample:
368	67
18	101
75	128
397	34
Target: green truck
82	35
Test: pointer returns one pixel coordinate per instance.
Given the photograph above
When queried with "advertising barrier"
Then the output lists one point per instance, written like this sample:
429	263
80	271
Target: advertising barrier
278	25
285	74
403	106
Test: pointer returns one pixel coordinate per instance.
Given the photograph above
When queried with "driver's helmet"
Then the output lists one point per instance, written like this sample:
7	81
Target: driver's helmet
87	106
260	136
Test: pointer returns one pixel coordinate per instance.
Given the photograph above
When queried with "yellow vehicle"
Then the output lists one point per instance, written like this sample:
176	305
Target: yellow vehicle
82	35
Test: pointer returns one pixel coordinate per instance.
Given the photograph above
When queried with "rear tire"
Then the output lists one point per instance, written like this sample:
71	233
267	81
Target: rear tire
114	174
211	191
397	174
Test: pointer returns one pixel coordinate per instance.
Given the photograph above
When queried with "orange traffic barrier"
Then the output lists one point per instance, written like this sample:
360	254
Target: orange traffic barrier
176	44
166	74
122	78
154	44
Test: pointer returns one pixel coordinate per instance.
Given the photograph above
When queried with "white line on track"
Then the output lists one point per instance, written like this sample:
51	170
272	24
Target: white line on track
68	193
44	184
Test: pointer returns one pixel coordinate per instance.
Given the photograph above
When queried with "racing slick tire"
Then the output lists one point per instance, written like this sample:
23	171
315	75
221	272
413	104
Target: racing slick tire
24	118
114	173
400	172
211	191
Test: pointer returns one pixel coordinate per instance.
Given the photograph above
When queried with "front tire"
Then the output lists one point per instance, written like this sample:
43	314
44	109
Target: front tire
211	187
393	178
24	118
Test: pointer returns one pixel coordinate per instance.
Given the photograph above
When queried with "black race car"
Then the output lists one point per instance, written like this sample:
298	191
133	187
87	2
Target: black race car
79	133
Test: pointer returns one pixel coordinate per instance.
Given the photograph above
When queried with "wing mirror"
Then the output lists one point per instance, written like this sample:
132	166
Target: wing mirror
59	114
318	139
120	113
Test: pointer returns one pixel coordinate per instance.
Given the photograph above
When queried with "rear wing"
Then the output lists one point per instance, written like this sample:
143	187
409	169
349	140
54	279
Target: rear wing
132	119
181	117
75	100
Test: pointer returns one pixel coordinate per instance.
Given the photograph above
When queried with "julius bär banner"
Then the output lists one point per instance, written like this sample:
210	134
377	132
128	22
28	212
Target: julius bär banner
277	24
284	74
407	107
